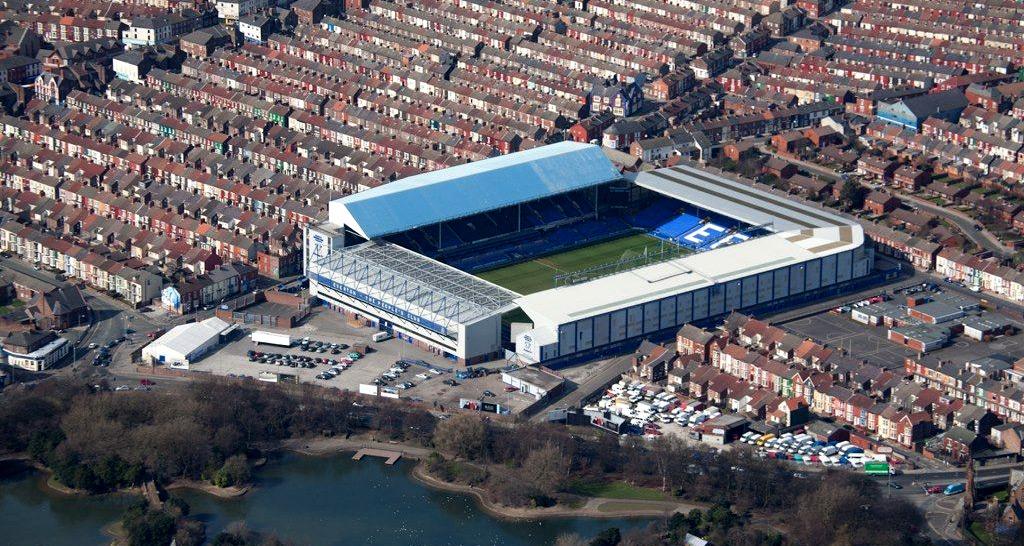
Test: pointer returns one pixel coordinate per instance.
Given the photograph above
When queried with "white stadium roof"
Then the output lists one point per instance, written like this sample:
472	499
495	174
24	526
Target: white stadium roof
802	233
472	188
736	200
569	303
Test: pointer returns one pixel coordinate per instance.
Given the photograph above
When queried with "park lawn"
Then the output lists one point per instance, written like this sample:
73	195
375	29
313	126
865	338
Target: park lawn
978	530
538	274
618	490
614	506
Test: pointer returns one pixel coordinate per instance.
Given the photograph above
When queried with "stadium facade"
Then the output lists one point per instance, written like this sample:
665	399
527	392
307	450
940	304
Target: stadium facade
402	257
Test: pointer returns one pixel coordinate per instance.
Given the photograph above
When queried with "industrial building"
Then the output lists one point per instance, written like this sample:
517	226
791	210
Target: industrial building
186	343
403	256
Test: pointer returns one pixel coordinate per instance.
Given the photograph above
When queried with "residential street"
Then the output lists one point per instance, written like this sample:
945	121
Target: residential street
983	238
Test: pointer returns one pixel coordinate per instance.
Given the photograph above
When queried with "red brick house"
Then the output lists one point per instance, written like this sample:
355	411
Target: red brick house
780	168
879	203
881	169
691	340
590	129
958	444
911	178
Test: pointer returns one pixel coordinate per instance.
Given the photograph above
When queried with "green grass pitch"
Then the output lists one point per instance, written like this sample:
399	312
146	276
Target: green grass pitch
537	274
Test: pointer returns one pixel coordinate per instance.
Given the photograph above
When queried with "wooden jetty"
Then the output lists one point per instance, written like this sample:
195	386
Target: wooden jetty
391	457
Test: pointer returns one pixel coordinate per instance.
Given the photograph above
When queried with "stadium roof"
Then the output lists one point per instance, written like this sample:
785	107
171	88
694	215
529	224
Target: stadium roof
802	233
736	200
653	282
425	291
472	188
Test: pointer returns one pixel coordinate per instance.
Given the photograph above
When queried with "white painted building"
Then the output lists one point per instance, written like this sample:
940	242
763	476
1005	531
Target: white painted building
35	351
231	10
186	343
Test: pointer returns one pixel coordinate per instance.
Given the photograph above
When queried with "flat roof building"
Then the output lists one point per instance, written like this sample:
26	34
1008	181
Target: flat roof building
533	381
34	350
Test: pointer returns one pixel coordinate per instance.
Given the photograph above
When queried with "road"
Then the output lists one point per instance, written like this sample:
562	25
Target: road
981	238
110	318
942	512
610	371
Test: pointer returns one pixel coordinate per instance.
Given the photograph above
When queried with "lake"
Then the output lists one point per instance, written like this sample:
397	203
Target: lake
308	500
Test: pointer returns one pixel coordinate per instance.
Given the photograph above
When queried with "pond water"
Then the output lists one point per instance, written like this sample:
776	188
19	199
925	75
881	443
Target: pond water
307	500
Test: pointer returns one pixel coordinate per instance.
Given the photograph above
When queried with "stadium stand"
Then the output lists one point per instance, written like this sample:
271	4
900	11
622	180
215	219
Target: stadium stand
675	228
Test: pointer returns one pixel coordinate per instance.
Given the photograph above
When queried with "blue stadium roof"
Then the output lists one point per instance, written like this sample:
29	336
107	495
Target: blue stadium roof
472	188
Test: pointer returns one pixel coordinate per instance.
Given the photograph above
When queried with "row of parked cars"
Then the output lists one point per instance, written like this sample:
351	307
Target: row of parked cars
313	346
300	361
861	303
394	373
645	407
801	447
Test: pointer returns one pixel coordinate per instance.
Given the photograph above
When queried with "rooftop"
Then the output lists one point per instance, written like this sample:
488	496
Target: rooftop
802	234
736	200
186	338
455	192
537	377
435	295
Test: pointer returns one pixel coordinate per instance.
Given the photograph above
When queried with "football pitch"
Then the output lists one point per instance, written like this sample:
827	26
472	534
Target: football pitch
538	274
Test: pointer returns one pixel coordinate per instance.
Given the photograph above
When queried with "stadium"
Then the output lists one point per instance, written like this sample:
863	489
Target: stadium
552	255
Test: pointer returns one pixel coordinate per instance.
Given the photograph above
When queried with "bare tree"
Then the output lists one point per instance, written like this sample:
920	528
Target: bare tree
545	469
463	436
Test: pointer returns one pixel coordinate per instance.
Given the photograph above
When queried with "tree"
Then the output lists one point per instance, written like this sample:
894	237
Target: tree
608	537
190	533
852	194
849	509
146	527
463	435
669	454
234	472
546	469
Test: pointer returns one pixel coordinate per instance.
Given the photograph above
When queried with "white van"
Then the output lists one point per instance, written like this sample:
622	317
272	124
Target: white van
381	336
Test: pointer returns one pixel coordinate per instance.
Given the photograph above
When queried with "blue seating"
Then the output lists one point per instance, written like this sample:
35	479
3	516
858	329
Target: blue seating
676	227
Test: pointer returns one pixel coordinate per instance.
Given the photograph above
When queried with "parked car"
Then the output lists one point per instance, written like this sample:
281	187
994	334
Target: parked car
954	488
